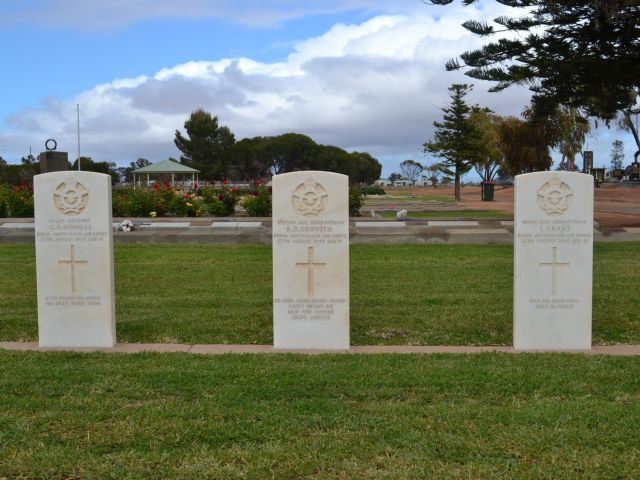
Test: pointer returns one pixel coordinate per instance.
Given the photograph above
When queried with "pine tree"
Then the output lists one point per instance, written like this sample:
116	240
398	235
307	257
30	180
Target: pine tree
456	138
579	53
617	155
204	145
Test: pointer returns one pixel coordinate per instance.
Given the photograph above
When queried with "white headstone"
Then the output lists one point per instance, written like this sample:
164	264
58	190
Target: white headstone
74	259
553	261
311	260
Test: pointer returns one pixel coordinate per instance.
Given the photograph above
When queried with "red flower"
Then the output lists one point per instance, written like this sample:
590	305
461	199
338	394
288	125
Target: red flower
221	197
255	194
167	186
195	185
225	182
234	189
258	183
270	188
156	186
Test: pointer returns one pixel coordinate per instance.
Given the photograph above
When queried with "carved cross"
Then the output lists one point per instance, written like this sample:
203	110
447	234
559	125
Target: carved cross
71	263
310	264
554	264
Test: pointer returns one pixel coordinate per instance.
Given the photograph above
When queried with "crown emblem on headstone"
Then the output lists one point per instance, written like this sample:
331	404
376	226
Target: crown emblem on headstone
70	197
555	197
310	198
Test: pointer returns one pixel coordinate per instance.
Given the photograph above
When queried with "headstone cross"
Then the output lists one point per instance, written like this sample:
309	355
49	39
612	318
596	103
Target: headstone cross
310	264
554	264
71	263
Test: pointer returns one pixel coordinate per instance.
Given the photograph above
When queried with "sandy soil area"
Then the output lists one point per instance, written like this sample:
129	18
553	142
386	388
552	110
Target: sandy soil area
615	205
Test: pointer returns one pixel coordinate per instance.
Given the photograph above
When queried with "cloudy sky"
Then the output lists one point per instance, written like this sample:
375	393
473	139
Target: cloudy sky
364	75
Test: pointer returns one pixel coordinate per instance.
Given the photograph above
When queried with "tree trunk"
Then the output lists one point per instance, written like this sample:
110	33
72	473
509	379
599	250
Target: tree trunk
632	127
457	185
634	132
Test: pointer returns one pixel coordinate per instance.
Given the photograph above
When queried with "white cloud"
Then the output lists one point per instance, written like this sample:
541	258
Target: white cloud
376	86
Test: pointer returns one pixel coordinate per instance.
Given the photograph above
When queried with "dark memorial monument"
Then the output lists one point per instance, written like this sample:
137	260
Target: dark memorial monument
51	160
587	161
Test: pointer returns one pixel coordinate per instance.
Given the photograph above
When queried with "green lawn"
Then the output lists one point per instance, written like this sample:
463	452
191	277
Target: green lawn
391	199
155	416
400	294
456	214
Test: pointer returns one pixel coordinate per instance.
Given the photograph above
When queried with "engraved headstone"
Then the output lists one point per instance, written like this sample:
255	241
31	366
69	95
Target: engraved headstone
553	259
74	259
311	260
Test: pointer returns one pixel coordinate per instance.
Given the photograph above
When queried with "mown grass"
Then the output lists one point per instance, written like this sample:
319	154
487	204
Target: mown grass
410	198
456	214
400	294
152	416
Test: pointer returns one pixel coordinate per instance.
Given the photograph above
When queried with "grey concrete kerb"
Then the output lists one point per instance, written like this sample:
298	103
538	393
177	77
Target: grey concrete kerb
239	230
219	349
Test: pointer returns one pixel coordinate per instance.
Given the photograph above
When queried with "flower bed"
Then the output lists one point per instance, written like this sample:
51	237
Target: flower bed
16	201
167	201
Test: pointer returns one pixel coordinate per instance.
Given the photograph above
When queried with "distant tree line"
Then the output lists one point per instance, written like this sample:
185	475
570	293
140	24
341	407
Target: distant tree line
212	149
475	137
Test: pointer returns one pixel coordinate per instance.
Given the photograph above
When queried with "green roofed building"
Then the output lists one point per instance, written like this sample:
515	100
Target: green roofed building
165	167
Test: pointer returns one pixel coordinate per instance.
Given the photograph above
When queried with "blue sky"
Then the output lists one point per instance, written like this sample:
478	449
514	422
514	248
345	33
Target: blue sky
361	74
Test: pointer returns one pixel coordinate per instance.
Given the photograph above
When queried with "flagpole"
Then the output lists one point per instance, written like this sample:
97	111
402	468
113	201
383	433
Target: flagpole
78	110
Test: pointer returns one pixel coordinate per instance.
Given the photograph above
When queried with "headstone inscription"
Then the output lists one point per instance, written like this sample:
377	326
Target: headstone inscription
311	260
553	258
74	260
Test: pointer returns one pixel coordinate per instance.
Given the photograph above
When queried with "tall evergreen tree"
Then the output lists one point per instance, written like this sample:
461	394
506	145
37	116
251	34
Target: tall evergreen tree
580	53
456	138
204	144
617	155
